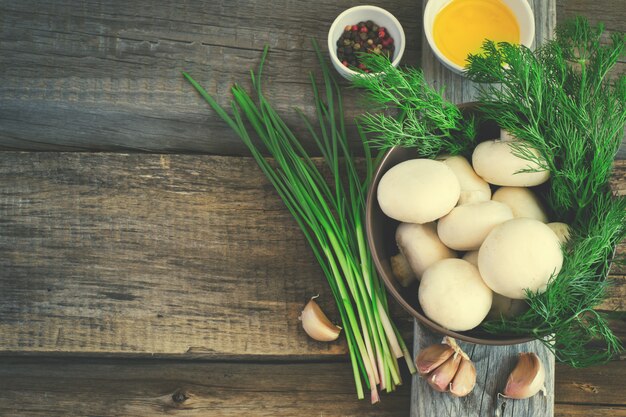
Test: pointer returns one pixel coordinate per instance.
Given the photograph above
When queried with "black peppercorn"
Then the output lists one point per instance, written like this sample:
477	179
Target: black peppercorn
363	37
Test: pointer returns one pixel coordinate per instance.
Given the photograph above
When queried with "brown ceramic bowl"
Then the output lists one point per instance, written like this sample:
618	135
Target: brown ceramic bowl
381	239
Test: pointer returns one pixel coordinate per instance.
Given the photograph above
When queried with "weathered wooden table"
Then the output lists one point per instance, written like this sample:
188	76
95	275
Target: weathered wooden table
146	266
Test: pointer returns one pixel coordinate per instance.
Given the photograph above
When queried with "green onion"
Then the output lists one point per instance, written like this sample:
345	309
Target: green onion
330	214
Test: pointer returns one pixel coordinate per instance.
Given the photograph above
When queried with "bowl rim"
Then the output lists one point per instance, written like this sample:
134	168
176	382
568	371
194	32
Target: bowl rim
332	50
444	59
370	204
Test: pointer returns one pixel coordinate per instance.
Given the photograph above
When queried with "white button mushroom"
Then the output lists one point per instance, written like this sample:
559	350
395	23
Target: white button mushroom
453	294
505	136
523	202
473	188
465	227
501	305
561	230
519	254
471	257
496	163
421	246
418	191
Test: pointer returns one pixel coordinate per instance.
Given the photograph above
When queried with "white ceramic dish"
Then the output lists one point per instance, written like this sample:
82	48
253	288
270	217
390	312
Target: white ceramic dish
355	15
520	9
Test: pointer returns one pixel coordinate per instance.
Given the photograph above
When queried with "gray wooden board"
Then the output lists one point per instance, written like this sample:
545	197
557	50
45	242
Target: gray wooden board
493	363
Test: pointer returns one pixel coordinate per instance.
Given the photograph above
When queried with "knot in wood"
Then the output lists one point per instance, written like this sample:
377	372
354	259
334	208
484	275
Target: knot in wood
179	397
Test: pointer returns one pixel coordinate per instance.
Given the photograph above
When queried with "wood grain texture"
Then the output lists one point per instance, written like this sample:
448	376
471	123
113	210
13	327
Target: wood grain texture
575	410
152	254
92	75
142	388
36	386
603	385
483	400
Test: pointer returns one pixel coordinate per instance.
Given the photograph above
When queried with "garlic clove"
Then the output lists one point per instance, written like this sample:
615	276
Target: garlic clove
465	379
316	324
441	377
431	357
527	378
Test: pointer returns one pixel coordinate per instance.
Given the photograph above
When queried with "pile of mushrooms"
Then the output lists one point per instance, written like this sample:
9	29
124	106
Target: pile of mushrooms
476	236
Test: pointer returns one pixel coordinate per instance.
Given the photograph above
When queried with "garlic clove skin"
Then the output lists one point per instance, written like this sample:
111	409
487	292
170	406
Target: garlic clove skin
441	377
455	346
316	324
431	357
465	379
527	378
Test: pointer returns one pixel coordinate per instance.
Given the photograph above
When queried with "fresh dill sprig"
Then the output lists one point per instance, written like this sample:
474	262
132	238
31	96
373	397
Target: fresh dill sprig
426	120
561	102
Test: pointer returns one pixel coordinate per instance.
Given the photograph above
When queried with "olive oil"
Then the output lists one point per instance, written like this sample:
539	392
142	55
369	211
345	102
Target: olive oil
461	27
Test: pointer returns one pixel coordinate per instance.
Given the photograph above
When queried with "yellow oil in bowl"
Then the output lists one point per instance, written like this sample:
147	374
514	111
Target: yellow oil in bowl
461	27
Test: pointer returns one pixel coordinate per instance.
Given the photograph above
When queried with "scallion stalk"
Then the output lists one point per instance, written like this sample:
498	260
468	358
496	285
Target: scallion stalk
330	215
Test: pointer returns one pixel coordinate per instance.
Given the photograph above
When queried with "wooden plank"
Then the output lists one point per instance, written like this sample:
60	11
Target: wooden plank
603	385
611	13
142	388
570	410
106	75
152	254
493	364
38	386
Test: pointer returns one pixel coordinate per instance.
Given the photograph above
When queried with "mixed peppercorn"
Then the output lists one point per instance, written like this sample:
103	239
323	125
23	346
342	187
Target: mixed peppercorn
363	37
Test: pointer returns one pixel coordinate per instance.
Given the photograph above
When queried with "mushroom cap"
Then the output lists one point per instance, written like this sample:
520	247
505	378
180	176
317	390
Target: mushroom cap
471	257
467	226
418	191
523	202
473	188
519	254
502	306
496	163
453	294
561	230
421	246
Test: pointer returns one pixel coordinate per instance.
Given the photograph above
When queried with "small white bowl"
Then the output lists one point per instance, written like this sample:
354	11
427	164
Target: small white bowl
520	8
358	14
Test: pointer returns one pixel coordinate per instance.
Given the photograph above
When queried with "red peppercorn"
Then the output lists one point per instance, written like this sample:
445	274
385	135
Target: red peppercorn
381	34
382	29
362	66
355	28
364	29
345	63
